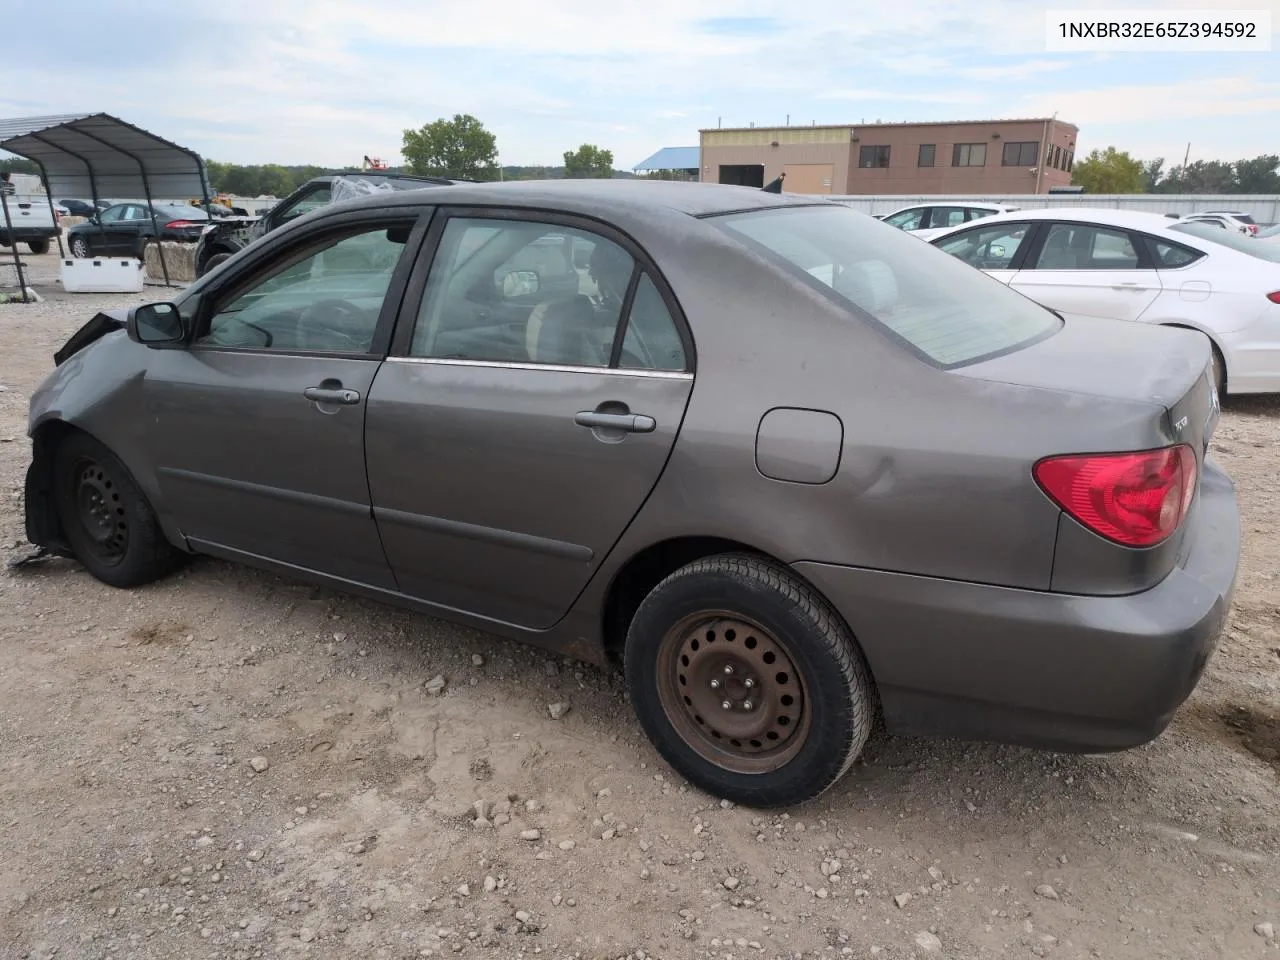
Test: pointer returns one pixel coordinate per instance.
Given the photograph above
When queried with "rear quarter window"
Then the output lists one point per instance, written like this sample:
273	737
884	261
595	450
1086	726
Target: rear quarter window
941	309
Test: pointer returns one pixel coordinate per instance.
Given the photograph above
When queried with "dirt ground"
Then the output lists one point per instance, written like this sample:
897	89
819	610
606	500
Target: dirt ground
134	824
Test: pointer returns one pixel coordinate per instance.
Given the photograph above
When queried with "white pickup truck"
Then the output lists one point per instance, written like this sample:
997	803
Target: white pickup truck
33	223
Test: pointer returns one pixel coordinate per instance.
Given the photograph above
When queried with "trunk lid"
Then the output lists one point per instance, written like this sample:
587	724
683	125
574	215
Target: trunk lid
1124	361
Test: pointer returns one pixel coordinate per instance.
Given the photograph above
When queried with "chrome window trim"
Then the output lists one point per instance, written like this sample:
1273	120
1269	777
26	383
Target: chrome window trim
551	367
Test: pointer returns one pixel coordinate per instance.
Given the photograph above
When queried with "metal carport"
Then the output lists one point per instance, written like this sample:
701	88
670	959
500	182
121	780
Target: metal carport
96	154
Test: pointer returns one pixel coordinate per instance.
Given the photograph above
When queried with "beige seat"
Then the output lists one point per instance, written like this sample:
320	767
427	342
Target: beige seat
560	332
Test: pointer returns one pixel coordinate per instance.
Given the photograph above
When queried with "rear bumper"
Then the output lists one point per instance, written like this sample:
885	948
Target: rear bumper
25	234
1059	671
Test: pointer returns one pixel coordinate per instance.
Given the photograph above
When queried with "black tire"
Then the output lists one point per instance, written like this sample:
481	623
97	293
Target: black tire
38	246
80	248
214	262
106	518
838	695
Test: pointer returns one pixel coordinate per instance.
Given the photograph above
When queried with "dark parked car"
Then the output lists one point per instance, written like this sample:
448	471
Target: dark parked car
79	208
123	229
233	234
790	466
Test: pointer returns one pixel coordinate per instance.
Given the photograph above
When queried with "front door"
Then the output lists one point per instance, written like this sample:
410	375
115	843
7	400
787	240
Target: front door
1089	270
516	430
258	427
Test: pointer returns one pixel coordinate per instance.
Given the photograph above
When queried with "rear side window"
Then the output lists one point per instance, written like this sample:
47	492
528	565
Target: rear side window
942	309
1170	256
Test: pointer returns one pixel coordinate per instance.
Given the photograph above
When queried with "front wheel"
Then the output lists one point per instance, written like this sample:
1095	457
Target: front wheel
214	262
79	248
747	681
105	516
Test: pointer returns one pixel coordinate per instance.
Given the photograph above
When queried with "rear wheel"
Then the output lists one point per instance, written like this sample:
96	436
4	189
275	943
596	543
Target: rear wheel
747	682
38	246
105	517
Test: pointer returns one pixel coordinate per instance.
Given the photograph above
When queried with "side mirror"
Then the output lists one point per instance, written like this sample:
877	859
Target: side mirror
156	324
521	283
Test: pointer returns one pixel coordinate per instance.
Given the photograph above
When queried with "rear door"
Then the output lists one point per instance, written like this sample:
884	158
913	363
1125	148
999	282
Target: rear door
997	249
1090	270
515	431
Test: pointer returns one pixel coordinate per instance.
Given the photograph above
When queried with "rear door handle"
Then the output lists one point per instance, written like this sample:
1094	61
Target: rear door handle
1127	286
630	422
341	395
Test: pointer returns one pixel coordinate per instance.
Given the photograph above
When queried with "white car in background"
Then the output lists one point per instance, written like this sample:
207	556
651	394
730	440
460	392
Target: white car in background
1124	265
927	220
1226	219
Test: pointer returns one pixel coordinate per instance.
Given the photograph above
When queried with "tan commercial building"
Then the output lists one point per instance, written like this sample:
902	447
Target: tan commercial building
965	157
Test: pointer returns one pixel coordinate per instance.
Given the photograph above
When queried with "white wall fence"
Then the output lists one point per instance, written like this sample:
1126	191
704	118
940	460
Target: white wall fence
1263	209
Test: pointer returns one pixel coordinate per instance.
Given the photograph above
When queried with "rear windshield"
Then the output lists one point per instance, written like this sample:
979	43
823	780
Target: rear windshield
943	309
1263	250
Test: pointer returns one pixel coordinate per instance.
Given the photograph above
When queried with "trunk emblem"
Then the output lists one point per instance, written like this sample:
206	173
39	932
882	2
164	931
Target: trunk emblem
1180	424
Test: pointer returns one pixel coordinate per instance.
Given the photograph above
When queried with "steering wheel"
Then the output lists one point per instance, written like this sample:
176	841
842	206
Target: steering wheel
330	315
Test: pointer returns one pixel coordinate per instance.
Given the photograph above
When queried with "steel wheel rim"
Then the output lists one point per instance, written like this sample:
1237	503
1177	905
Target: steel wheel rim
100	511
733	693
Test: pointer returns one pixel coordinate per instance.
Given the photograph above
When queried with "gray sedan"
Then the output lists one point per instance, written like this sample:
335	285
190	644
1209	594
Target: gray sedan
793	469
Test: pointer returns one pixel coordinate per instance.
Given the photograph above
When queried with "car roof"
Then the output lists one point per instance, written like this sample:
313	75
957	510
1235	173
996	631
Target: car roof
1132	219
600	197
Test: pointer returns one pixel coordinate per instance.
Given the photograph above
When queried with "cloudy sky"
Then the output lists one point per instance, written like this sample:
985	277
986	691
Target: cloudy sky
297	81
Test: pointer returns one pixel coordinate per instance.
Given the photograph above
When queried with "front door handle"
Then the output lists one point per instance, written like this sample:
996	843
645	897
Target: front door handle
341	395
629	422
1127	286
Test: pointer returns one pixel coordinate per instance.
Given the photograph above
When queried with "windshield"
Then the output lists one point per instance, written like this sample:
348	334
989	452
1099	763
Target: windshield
1229	238
941	308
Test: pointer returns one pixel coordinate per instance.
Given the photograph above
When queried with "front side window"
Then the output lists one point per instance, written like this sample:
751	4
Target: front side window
939	308
1020	154
519	291
927	153
873	157
1083	246
987	248
325	298
969	155
907	219
113	214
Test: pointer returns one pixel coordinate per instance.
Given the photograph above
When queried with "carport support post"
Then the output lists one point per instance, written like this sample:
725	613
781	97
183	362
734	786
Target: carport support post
146	187
44	177
13	241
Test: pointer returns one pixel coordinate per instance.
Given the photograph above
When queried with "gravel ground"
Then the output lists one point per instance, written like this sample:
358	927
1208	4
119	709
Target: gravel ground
229	764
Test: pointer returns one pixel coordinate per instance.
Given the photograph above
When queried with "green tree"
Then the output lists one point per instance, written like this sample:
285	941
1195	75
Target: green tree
19	165
1109	171
1152	175
460	147
588	162
274	180
1259	175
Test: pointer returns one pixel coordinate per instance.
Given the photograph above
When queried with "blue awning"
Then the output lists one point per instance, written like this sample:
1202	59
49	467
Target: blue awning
672	158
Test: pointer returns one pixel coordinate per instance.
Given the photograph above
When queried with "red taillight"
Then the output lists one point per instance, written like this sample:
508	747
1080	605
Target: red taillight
1136	499
179	224
1274	297
1253	227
